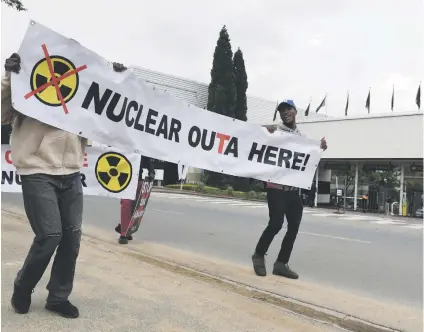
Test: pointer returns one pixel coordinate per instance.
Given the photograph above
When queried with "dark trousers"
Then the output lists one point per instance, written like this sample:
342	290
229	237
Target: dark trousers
53	204
281	203
311	200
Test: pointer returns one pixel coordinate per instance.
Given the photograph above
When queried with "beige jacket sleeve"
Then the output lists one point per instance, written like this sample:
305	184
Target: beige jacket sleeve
7	111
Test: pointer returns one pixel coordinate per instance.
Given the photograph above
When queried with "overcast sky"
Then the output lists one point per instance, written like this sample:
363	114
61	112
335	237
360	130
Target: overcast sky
293	49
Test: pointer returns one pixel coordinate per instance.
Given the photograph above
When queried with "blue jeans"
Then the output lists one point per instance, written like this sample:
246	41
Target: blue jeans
53	204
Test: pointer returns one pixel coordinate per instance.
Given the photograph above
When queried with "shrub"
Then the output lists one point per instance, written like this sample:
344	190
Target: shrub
240	194
262	196
201	187
187	186
230	191
252	194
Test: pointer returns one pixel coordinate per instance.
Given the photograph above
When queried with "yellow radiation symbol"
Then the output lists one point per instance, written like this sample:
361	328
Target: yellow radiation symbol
66	80
113	171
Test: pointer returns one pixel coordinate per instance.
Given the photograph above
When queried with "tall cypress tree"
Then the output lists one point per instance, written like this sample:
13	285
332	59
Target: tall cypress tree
15	4
222	89
241	86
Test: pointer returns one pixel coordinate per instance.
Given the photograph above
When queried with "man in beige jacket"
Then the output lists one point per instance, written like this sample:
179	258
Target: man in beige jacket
48	160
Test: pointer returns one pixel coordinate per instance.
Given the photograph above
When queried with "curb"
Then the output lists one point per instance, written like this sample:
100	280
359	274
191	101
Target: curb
301	308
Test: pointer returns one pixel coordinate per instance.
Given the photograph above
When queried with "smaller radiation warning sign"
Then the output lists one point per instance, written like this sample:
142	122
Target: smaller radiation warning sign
113	171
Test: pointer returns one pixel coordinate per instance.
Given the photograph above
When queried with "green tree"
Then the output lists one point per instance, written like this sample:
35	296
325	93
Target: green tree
16	4
241	184
222	92
241	86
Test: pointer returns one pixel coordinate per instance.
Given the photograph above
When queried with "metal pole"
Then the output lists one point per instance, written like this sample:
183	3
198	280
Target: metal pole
402	179
316	187
355	189
337	197
344	191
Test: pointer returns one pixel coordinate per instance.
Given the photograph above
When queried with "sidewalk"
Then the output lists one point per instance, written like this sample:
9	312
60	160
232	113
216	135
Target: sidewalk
115	291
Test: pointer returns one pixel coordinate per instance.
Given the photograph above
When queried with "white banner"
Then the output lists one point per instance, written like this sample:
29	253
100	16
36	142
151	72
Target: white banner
65	85
106	172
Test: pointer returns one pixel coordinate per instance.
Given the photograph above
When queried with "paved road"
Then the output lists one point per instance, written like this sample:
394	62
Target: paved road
369	255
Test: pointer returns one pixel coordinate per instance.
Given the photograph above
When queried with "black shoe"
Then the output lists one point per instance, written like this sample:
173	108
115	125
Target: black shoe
21	299
65	309
123	240
259	264
118	230
283	270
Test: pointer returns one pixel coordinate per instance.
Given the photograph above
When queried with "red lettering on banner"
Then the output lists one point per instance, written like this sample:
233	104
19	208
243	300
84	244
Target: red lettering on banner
85	160
8	157
222	138
197	137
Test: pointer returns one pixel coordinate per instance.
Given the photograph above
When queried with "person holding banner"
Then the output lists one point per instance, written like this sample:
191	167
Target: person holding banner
128	206
48	160
282	201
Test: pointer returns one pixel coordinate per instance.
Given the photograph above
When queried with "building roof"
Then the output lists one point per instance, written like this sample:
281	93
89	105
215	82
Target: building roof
259	110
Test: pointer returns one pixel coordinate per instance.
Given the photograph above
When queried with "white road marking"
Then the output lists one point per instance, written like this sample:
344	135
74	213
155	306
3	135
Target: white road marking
175	196
323	235
241	204
395	220
222	202
336	237
415	226
388	222
309	212
323	214
165	211
357	217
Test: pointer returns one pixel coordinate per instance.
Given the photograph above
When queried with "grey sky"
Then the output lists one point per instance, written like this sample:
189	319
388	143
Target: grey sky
293	49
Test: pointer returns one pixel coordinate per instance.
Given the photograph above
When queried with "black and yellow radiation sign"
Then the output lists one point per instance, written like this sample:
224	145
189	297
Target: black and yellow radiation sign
113	171
64	73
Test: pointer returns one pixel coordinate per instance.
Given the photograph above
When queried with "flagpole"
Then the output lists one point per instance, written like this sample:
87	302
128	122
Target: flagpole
393	98
347	103
326	105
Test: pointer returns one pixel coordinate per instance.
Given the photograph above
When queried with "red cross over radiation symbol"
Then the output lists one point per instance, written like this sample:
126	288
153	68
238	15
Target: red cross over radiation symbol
54	80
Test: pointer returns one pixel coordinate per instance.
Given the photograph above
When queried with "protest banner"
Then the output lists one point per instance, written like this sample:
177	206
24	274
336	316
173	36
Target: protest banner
106	172
67	86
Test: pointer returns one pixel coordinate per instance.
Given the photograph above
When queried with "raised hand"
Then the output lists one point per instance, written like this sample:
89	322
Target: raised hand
13	64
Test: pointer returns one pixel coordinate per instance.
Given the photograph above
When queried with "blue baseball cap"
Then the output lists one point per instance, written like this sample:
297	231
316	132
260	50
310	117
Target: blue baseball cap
282	105
289	102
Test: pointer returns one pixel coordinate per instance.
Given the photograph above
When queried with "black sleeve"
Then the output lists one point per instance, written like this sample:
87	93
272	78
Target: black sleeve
6	131
149	164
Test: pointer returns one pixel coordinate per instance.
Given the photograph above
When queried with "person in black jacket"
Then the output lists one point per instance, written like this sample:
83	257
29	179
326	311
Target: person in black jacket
128	205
